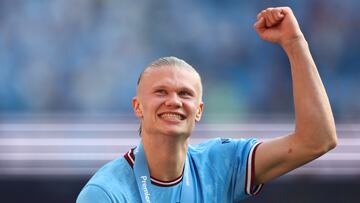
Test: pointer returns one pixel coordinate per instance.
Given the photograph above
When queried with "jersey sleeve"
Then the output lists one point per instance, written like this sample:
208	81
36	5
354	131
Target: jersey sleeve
93	194
244	168
227	167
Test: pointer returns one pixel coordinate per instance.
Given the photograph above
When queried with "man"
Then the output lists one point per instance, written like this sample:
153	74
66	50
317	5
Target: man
163	168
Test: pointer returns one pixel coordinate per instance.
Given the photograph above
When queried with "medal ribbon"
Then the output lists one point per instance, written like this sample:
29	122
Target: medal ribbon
143	179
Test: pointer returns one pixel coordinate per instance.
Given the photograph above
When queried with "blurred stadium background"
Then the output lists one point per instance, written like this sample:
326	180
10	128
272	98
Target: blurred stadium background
68	72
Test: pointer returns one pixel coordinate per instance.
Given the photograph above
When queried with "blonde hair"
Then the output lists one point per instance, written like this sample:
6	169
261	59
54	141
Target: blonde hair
171	62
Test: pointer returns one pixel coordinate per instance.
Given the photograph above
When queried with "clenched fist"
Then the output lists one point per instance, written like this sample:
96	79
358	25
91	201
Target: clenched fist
278	25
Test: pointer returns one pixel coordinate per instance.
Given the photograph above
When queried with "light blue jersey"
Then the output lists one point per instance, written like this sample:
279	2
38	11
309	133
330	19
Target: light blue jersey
222	170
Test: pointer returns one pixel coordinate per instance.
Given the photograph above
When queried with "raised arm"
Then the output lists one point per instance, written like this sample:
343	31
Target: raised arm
314	132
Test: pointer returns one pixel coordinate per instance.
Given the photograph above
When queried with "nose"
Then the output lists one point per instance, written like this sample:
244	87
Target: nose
173	100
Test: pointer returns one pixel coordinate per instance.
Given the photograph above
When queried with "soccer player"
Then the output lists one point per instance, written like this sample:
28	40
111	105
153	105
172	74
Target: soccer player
164	168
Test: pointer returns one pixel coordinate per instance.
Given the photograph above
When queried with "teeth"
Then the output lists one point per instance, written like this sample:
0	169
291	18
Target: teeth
169	115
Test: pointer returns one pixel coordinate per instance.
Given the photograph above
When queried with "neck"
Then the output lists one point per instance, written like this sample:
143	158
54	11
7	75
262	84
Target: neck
165	155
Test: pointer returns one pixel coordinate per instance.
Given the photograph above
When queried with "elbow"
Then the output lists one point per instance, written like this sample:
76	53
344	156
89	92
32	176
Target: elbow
331	136
333	141
319	143
317	137
328	144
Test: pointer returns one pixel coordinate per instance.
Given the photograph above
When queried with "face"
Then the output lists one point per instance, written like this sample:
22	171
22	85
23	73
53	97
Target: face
168	101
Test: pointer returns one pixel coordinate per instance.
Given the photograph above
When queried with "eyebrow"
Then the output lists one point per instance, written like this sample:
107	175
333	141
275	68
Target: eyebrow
179	89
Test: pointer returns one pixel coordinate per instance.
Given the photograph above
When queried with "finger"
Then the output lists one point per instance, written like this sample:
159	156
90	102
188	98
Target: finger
277	15
260	14
285	10
269	17
260	24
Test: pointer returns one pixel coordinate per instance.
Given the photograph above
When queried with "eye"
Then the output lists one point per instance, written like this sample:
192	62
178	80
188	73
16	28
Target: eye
160	92
185	94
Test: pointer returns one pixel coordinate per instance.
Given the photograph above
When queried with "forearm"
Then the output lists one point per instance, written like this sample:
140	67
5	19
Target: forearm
315	125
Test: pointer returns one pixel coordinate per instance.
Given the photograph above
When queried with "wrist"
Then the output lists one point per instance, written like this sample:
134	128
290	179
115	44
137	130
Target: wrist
294	43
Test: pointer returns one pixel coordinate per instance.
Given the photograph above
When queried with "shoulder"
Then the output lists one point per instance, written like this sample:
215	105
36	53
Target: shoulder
112	173
93	194
114	182
223	145
221	154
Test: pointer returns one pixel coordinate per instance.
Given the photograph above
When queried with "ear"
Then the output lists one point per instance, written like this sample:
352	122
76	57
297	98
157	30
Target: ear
137	107
199	112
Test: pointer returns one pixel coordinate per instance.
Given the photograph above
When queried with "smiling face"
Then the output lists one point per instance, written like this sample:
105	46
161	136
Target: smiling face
168	101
